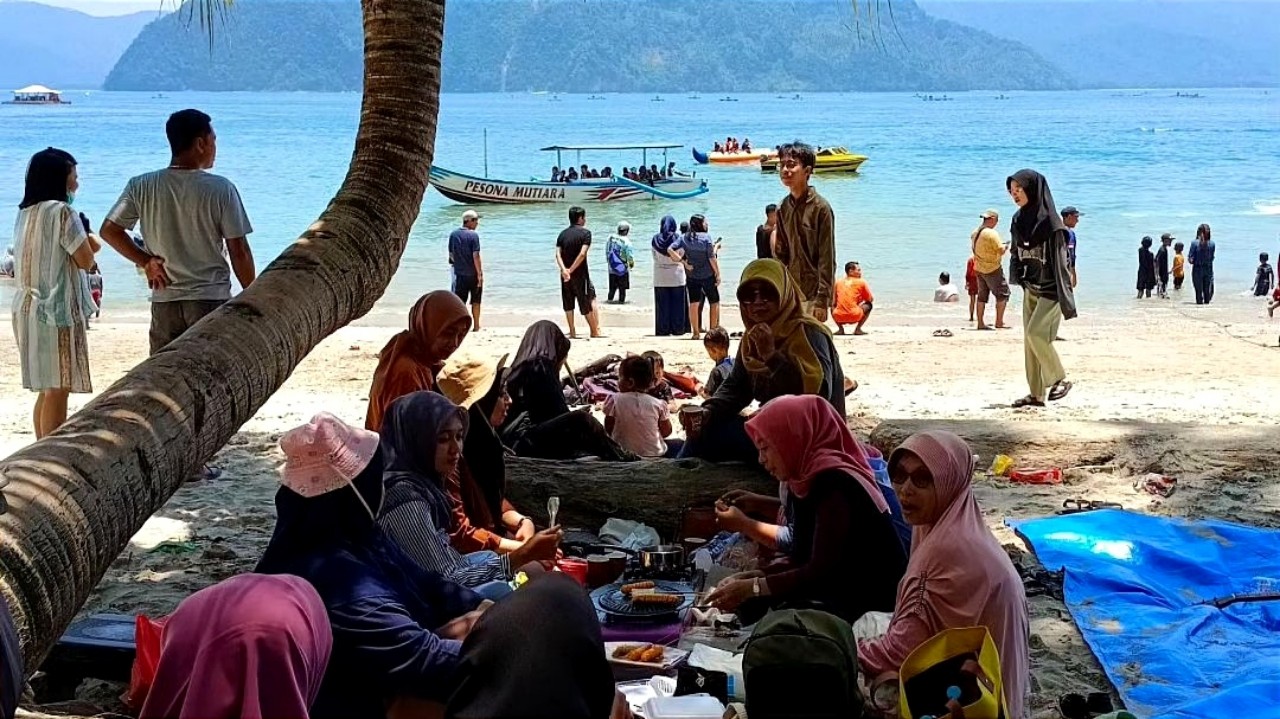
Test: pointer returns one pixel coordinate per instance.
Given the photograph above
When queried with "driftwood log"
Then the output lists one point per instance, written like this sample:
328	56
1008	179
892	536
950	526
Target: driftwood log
652	491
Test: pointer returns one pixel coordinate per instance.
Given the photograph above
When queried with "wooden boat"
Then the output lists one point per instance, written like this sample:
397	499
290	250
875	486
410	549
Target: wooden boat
469	189
730	158
829	159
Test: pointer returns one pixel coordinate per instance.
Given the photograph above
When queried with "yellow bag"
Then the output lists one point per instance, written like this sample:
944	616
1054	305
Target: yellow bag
944	654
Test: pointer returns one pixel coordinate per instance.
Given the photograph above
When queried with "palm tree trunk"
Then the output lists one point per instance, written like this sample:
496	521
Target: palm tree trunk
75	498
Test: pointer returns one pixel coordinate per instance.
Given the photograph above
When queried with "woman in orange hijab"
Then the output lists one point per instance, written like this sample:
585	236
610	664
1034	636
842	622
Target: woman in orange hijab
438	323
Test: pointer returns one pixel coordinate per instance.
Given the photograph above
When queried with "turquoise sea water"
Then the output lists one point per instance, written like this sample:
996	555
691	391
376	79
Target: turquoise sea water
1135	162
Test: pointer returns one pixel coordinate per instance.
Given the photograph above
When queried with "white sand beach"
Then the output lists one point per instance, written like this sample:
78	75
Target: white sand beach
1161	363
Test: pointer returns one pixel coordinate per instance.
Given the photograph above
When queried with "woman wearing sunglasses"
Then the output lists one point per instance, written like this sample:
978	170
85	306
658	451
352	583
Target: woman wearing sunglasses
958	575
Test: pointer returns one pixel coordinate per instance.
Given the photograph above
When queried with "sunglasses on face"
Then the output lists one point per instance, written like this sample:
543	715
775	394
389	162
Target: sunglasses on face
757	296
917	481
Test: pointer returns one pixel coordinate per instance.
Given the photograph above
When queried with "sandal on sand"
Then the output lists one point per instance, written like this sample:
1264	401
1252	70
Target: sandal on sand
1028	401
987	328
1075	506
1078	706
1059	390
850	386
942	333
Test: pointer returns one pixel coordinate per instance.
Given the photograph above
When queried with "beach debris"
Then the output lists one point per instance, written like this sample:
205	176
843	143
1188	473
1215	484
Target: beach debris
1160	485
1052	475
1001	465
174	547
220	552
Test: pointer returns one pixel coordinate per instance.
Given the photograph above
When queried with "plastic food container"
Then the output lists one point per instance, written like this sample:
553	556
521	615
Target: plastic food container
698	706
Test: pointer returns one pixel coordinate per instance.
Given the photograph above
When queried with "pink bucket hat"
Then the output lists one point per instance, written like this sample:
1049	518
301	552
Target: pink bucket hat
325	454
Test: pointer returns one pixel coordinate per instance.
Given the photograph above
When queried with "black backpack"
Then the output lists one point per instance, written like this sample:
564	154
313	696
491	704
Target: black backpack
802	664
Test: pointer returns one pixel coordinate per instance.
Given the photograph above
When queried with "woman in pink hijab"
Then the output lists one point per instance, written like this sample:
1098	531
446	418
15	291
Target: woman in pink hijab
846	557
958	576
251	647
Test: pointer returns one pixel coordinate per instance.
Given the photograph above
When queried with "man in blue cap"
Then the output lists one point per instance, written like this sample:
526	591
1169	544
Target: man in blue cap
1071	217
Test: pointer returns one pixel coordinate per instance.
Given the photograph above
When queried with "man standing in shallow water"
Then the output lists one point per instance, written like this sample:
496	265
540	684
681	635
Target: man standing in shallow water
806	231
192	223
468	270
575	277
988	259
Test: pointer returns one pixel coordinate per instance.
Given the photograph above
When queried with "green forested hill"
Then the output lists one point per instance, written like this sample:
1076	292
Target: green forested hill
593	46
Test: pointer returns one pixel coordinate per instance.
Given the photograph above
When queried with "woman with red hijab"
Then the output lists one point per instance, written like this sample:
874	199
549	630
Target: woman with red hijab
958	576
846	558
438	323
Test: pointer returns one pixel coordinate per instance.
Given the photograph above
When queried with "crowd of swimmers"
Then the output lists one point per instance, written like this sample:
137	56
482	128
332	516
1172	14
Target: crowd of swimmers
650	174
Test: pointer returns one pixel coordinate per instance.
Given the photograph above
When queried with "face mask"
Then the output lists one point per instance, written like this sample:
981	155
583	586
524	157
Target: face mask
71	198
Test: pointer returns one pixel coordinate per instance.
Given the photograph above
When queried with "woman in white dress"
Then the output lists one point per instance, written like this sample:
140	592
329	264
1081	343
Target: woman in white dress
51	303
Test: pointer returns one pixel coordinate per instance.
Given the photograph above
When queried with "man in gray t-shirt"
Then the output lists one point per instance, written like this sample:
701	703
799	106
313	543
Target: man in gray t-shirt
192	223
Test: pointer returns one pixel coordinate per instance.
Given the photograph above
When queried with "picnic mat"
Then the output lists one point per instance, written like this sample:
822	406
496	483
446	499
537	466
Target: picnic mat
1140	589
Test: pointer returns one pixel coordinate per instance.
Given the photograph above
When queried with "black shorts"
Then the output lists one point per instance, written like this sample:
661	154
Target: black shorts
700	289
468	289
578	290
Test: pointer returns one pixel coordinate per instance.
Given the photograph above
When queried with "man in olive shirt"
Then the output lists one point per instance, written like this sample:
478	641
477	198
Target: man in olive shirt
806	232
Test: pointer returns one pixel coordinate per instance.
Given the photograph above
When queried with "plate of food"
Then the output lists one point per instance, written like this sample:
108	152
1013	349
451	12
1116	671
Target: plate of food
640	654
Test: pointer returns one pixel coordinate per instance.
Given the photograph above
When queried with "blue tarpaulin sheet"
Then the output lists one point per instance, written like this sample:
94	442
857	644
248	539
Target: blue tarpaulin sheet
1137	587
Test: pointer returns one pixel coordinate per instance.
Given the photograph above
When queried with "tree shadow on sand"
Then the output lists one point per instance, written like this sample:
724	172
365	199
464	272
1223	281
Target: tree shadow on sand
208	531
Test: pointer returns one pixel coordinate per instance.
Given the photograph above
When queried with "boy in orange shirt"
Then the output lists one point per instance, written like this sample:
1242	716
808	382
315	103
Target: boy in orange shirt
853	300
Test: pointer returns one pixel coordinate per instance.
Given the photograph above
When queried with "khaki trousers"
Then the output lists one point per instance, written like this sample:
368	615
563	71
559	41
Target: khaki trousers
1040	320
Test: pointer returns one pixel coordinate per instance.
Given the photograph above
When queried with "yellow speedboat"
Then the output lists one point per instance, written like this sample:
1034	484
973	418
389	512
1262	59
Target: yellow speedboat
829	159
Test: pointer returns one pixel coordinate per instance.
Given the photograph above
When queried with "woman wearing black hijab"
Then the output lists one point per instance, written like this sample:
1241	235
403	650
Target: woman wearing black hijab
1039	264
539	422
538	654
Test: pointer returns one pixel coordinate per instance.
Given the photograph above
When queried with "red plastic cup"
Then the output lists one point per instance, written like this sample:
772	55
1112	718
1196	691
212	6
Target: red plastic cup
575	568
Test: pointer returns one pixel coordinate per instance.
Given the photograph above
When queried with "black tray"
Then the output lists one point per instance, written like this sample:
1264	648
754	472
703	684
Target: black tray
610	600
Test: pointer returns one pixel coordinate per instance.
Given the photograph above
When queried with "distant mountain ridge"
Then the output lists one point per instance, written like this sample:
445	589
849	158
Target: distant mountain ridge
1139	44
60	48
593	46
